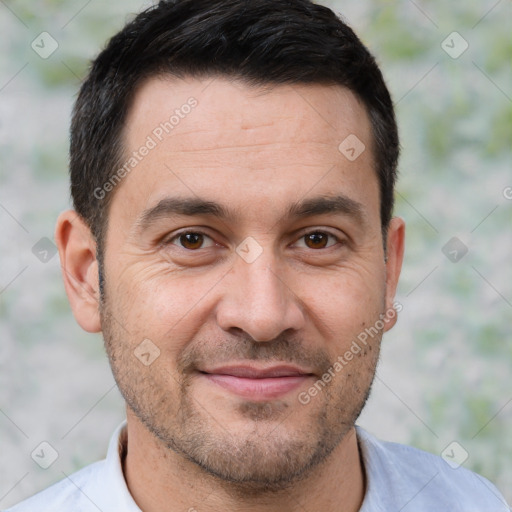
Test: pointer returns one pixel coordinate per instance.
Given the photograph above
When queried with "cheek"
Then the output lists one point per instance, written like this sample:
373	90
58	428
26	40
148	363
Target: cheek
162	305
344	304
170	306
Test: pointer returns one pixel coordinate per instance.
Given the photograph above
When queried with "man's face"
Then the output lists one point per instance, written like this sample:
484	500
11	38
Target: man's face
266	285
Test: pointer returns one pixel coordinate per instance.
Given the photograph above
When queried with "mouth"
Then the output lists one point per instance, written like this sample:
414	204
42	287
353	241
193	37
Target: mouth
255	383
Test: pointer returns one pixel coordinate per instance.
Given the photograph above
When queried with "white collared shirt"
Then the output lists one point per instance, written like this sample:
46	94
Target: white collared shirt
99	487
398	477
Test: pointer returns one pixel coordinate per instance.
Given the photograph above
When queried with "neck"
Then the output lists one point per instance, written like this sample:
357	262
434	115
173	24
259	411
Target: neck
159	479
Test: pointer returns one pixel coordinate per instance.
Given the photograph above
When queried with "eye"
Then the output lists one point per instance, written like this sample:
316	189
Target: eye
195	240
190	240
319	239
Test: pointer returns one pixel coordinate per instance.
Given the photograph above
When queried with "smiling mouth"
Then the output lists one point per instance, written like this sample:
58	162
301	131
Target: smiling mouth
258	383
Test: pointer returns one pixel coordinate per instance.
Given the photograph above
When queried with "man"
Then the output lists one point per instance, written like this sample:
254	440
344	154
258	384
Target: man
232	172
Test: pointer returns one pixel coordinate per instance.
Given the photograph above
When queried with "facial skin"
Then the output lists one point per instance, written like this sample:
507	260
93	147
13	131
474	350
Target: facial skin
302	301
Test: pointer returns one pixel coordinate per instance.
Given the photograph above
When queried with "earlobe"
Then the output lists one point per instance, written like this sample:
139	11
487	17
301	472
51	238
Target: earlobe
77	252
395	255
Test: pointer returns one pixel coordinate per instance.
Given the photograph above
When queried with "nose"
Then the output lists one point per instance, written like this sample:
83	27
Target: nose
258	300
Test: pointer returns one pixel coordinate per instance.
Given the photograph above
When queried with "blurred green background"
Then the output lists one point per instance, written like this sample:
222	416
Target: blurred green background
445	373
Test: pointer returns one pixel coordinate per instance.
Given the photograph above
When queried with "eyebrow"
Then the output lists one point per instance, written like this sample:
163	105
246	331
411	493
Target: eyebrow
175	206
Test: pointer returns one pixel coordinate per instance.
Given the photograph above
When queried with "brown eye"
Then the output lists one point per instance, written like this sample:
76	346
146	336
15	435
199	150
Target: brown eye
190	240
316	240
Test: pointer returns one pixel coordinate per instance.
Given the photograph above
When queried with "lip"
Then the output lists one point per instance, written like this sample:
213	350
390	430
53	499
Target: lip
258	383
253	372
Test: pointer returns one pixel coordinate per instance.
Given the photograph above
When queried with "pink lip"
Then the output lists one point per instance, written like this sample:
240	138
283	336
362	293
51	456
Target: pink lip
258	384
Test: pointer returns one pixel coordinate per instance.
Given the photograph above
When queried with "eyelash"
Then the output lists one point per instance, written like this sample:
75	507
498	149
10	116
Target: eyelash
169	241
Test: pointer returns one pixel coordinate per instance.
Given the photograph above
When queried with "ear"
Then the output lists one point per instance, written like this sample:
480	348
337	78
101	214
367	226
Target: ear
395	256
77	252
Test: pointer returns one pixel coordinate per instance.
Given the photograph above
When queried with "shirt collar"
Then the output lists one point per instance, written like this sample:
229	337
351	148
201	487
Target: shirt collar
114	494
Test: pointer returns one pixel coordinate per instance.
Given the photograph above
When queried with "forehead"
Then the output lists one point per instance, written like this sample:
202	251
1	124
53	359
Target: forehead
219	138
225	106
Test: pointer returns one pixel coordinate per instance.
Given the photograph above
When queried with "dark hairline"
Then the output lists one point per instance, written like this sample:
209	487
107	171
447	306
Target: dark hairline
260	43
